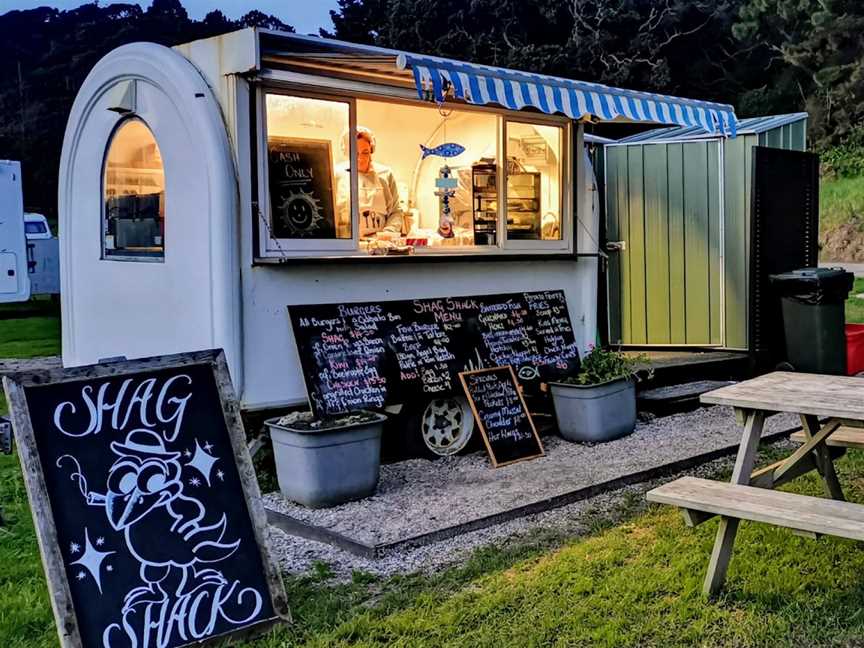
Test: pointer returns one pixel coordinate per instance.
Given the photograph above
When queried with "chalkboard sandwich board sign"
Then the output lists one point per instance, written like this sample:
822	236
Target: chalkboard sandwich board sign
501	415
148	514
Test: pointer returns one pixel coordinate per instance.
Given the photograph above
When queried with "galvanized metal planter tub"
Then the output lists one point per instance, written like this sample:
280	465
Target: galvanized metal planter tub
595	413
321	468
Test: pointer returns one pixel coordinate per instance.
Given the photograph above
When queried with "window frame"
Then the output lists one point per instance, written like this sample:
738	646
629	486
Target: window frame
565	199
269	245
41	228
270	250
103	219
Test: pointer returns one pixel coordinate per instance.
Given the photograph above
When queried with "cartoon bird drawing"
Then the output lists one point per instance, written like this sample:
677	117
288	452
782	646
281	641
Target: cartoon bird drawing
163	528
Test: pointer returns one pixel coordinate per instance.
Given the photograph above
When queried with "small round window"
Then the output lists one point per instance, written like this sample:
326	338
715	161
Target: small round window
134	187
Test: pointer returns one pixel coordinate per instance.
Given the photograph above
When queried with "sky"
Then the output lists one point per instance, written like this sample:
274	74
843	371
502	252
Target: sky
305	15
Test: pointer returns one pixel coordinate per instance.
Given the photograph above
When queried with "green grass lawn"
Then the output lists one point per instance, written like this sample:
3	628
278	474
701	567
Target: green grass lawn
855	304
634	582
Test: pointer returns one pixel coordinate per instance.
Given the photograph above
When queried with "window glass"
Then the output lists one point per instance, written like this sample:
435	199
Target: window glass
427	180
533	181
134	194
374	176
308	173
34	227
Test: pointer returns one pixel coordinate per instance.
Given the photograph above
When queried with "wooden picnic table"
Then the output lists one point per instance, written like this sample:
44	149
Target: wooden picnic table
839	401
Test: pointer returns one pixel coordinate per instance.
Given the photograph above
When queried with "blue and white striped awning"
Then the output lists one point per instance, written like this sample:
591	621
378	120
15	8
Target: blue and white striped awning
480	84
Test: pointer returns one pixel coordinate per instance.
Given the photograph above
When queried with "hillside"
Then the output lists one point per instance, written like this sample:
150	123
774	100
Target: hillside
841	200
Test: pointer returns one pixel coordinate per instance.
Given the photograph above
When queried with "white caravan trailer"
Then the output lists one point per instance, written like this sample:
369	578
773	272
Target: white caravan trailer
14	280
179	234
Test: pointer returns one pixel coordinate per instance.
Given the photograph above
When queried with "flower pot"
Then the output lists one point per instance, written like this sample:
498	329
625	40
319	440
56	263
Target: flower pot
321	467
595	413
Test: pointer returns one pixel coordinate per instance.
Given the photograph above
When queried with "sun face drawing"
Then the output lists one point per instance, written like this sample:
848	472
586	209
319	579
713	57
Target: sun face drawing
301	213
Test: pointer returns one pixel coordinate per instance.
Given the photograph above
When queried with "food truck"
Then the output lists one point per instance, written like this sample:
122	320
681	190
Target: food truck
206	187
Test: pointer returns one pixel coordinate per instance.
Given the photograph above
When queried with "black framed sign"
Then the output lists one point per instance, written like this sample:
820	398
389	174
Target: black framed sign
149	517
501	415
302	199
371	354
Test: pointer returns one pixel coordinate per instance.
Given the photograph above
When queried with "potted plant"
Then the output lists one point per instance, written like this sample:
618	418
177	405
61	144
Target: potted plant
599	403
325	462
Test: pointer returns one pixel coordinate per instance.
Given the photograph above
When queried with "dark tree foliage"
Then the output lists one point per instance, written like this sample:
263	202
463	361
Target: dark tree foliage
45	55
673	46
822	41
763	56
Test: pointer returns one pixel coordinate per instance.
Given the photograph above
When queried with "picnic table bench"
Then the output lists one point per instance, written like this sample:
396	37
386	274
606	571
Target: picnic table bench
750	495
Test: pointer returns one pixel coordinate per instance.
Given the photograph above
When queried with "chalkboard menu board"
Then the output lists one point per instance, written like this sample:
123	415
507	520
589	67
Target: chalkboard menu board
501	415
301	188
145	501
367	355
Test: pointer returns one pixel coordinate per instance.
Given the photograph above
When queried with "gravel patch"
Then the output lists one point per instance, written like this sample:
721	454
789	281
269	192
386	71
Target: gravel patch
298	556
421	496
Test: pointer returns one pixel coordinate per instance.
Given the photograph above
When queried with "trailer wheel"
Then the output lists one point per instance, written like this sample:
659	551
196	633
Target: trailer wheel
446	426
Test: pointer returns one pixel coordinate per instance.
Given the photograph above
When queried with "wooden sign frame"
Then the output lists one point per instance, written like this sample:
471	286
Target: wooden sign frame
37	492
491	452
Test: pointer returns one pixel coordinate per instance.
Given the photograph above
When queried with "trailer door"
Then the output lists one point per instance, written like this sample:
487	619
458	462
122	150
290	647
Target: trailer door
14	282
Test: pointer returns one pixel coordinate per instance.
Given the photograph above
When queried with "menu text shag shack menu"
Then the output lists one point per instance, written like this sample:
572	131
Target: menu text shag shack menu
368	355
504	421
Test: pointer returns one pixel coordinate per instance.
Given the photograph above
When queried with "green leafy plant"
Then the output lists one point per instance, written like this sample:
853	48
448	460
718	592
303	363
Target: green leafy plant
846	159
604	365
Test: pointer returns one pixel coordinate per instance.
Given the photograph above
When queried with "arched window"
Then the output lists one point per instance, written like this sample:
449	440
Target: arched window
134	195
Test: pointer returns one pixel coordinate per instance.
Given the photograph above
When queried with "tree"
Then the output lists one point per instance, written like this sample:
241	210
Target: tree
821	40
45	54
673	46
258	19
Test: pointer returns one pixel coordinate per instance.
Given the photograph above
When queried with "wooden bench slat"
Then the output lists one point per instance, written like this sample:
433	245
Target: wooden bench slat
843	437
799	512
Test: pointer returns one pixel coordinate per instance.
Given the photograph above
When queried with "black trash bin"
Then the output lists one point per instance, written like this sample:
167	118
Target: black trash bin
813	304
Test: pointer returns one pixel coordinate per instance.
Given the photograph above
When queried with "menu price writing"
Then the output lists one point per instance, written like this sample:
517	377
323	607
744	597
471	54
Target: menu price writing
501	415
367	355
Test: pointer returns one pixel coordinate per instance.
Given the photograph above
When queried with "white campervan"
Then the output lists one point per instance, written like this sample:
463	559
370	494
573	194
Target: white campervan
36	227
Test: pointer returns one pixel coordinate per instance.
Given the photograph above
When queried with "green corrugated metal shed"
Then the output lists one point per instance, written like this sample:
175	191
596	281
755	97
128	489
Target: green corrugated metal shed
680	201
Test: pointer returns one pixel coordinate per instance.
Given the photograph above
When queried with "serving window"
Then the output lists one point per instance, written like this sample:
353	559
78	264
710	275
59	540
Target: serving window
356	176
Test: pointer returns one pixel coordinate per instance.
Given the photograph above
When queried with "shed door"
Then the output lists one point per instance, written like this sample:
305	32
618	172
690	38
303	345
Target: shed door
663	206
784	232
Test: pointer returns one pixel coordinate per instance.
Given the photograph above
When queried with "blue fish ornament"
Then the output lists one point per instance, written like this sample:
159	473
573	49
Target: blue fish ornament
448	150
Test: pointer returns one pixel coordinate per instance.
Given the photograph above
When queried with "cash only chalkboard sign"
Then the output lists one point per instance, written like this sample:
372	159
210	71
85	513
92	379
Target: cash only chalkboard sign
148	513
501	415
301	188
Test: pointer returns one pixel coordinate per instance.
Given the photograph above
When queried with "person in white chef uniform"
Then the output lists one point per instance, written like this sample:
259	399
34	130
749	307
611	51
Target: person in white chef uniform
378	196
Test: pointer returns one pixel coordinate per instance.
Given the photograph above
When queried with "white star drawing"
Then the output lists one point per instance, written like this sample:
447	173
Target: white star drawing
220	475
187	454
81	575
91	560
100	541
208	446
74	547
202	462
109	568
194	482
